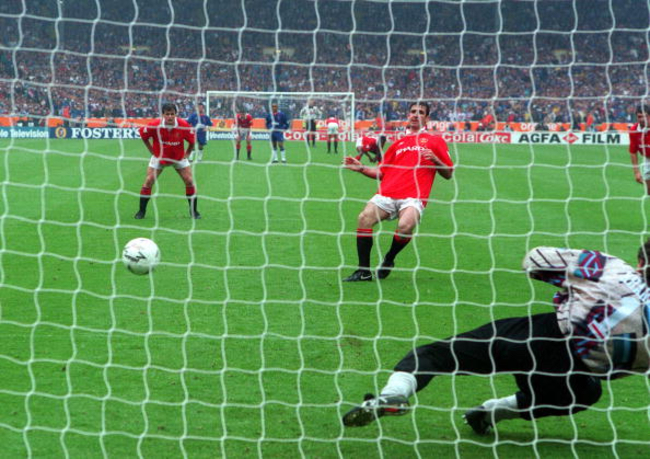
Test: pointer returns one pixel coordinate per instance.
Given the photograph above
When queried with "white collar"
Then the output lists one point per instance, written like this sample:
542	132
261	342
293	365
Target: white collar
421	131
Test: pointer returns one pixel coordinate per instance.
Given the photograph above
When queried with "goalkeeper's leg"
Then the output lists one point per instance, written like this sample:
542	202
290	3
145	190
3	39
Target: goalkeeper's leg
544	366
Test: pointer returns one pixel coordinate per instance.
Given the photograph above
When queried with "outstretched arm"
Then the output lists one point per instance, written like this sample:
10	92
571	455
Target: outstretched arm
354	164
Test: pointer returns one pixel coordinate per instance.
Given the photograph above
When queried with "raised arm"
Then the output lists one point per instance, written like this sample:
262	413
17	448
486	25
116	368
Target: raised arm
354	164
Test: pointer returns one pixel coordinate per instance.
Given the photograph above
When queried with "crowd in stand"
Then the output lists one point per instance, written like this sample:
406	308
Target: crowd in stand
540	62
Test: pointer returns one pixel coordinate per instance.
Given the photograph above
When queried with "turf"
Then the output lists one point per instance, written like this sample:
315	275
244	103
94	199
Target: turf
245	341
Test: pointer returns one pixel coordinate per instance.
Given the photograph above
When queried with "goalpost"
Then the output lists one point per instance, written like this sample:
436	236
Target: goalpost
226	104
245	341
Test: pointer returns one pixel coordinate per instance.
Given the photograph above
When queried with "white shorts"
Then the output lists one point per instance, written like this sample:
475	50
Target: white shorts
645	170
332	129
395	206
155	164
243	133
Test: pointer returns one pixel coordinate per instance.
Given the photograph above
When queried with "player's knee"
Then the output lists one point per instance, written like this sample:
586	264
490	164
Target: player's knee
420	365
407	364
589	394
406	228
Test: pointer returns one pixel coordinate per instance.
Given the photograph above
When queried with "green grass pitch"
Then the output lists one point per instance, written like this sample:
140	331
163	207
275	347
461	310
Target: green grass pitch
245	341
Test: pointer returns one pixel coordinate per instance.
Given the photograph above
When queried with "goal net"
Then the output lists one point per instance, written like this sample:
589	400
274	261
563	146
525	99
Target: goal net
299	108
245	340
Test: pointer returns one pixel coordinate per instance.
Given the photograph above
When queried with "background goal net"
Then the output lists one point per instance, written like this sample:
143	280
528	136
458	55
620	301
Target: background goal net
225	105
245	341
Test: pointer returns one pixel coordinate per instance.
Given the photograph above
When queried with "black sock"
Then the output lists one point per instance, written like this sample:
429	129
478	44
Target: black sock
364	247
193	201
399	242
336	147
143	203
328	146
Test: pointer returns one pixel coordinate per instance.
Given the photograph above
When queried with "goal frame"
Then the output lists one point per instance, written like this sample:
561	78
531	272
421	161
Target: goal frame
279	94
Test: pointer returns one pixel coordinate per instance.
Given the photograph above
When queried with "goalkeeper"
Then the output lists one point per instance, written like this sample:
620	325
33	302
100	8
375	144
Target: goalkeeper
599	330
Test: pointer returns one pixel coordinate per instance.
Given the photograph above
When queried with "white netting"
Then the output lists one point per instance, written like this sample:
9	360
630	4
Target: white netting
246	340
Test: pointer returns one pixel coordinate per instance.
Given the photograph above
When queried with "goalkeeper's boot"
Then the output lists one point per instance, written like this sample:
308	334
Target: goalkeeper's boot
375	407
360	275
139	215
385	269
478	419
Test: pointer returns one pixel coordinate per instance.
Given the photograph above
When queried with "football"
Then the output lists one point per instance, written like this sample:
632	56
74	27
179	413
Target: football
141	256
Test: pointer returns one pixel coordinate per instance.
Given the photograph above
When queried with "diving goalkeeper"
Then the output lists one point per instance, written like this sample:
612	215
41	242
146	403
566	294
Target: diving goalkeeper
599	330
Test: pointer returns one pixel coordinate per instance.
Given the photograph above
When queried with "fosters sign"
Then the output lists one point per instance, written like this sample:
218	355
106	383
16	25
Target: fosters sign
94	133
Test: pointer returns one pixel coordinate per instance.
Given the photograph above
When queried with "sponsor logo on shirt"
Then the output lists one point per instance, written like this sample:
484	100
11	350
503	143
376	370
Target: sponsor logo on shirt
411	148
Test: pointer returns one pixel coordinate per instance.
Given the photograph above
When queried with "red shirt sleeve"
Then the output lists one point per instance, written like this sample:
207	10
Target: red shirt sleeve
441	149
189	135
635	139
146	132
187	131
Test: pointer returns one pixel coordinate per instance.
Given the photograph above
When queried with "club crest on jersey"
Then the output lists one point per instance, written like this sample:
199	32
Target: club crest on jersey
423	140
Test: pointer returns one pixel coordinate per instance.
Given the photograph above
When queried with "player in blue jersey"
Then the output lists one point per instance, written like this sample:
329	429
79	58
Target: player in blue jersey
200	121
277	123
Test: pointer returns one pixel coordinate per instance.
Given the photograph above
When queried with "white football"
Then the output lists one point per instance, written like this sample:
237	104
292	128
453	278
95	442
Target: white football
141	255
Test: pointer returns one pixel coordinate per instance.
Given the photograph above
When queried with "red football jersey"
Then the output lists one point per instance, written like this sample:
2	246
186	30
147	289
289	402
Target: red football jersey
168	142
405	174
368	143
640	141
244	120
331	119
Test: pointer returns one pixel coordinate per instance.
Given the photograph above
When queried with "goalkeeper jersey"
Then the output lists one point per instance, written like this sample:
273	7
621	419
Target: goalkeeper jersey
602	307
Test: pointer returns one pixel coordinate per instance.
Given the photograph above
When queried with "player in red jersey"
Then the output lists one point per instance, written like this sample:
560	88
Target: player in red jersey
169	134
371	147
332	124
406	176
244	125
640	143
